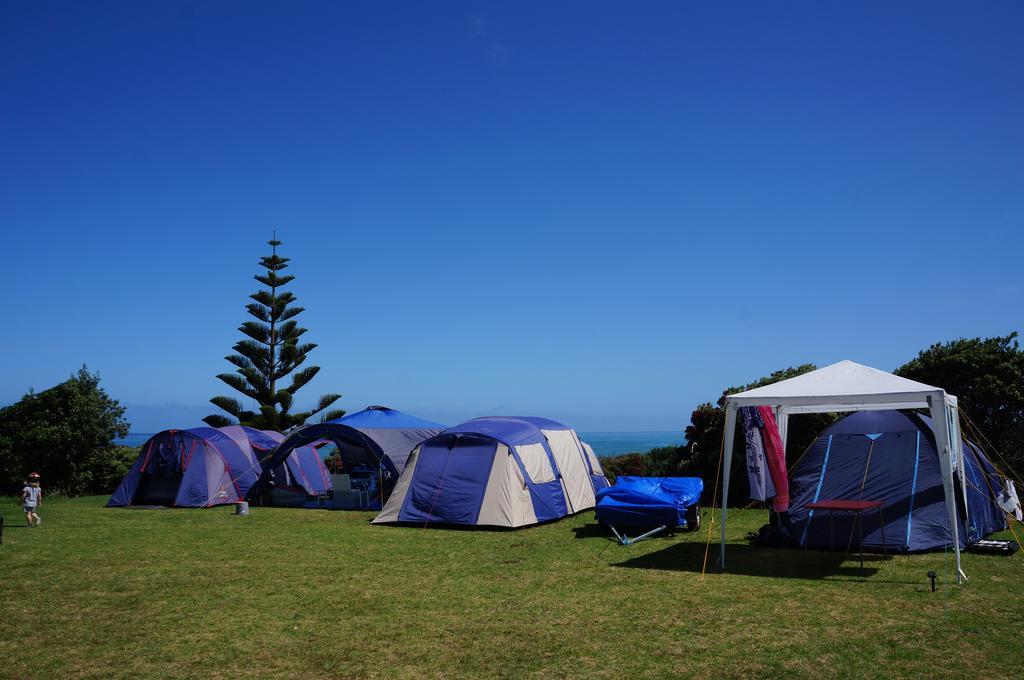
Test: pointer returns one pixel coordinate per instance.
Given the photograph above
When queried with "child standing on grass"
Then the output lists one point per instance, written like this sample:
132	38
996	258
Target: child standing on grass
31	499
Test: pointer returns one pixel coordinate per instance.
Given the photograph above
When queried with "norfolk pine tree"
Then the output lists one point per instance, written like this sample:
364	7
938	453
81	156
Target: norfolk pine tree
270	352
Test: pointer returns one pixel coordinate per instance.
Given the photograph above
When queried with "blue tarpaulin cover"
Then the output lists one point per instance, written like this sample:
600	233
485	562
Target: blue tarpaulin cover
648	501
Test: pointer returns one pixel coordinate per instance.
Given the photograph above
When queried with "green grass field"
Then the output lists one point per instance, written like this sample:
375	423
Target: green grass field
106	593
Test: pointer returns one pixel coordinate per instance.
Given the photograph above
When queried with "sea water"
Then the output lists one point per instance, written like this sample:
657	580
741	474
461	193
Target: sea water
134	439
618	443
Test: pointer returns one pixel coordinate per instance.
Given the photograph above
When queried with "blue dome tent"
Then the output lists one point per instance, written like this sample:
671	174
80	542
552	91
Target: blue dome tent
194	468
376	440
206	466
496	471
848	386
302	474
891	456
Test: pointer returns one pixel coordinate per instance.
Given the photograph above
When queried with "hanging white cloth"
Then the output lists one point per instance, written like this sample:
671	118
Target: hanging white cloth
761	487
1009	502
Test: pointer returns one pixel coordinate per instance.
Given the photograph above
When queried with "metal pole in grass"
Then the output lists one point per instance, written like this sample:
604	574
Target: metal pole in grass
726	465
714	499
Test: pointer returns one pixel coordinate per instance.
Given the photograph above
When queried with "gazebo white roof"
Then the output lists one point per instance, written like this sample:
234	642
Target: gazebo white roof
842	386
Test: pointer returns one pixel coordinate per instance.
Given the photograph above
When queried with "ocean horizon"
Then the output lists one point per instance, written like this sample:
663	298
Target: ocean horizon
604	443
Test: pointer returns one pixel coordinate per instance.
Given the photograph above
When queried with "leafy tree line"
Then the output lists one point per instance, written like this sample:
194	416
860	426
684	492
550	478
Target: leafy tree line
66	434
986	375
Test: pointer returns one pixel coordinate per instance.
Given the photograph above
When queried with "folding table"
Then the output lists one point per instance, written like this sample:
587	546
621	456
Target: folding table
854	507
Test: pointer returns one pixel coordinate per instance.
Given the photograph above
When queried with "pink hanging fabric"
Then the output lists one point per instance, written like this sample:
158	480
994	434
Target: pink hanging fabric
776	457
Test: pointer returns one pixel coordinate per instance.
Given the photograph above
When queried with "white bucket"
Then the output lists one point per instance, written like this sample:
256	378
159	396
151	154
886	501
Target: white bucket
242	508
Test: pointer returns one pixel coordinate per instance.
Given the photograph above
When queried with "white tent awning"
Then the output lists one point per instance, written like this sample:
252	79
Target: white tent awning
843	386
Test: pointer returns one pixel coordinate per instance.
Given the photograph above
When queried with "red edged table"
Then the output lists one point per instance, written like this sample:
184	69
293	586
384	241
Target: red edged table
855	507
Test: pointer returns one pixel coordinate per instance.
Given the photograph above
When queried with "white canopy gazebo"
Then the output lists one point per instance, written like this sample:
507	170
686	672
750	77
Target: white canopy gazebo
849	386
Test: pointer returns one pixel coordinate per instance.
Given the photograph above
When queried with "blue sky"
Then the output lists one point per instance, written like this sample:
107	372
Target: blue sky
602	212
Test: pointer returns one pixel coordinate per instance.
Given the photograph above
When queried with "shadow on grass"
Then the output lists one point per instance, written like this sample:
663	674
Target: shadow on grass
750	560
591	531
598	531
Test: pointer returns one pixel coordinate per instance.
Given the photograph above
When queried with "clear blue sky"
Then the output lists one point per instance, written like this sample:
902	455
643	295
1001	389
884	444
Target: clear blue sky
602	212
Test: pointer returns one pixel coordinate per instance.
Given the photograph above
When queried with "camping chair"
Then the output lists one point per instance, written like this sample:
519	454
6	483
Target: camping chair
347	497
322	497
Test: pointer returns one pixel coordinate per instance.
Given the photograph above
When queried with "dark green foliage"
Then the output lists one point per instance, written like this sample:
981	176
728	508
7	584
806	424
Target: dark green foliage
270	352
66	434
111	468
663	461
334	463
987	377
628	464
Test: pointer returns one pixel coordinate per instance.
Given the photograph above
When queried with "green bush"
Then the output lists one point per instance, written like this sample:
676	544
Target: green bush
66	434
663	461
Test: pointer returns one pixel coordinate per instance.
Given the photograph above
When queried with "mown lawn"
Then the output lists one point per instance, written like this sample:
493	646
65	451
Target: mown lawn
107	593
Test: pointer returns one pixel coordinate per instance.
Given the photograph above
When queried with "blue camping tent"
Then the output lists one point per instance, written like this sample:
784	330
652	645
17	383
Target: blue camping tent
891	456
301	474
194	468
375	441
207	466
496	471
394	433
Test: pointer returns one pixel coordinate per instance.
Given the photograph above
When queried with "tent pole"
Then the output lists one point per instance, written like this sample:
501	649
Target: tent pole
782	421
727	441
937	407
957	438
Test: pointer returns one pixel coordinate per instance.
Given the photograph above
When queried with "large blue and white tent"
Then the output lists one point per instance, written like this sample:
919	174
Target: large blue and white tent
891	456
497	471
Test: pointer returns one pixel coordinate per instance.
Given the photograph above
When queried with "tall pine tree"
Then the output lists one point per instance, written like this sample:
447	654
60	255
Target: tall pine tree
271	352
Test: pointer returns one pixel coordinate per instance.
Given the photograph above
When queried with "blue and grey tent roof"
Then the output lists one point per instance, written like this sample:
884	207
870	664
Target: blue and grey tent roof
385	418
302	468
509	430
262	439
